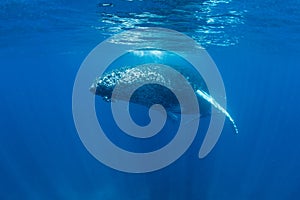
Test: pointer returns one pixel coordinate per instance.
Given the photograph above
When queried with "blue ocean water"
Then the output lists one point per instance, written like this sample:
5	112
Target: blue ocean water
255	45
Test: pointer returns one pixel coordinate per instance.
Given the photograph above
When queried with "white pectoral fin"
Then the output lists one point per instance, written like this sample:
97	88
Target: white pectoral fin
174	116
215	104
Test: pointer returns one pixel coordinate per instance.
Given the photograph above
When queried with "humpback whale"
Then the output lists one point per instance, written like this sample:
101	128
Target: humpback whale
150	94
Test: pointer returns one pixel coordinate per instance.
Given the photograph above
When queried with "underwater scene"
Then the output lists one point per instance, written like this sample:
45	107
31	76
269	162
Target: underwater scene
149	99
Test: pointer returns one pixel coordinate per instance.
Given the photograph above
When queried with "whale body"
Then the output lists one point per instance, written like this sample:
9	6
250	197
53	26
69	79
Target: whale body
150	94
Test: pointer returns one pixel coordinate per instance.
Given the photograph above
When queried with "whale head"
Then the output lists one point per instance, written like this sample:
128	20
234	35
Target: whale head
104	85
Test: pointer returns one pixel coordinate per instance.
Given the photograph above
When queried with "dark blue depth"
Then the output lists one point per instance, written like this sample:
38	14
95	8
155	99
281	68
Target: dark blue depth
42	45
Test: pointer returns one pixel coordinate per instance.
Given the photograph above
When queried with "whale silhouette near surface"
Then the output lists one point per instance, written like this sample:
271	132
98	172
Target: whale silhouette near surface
150	94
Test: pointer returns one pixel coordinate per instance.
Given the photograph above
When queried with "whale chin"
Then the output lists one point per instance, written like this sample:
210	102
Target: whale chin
93	88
